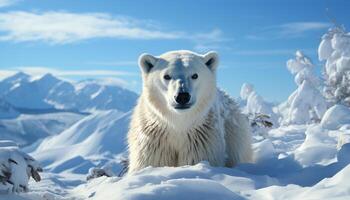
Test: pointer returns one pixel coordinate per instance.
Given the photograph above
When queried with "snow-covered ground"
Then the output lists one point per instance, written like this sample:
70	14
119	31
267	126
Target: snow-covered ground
292	162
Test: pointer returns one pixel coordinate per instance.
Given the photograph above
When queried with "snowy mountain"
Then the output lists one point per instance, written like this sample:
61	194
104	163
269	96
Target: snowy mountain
26	129
49	92
33	108
6	110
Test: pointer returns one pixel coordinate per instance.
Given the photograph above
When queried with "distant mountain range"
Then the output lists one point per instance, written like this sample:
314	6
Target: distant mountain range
24	93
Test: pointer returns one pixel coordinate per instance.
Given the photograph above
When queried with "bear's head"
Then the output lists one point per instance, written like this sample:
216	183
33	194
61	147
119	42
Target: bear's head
179	82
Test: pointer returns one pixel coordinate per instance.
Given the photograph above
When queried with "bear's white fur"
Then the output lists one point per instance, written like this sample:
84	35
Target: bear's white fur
209	127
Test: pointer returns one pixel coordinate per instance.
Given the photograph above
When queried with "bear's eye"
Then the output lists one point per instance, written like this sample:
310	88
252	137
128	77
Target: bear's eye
167	77
194	76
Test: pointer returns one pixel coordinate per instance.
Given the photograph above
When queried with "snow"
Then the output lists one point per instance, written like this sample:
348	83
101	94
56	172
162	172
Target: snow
325	49
98	139
336	116
292	162
335	50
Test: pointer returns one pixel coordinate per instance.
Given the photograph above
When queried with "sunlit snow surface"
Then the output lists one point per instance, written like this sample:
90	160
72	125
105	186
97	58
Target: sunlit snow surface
293	162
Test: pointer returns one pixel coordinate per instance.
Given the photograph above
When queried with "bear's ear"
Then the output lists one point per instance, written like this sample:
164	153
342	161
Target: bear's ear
211	60
147	62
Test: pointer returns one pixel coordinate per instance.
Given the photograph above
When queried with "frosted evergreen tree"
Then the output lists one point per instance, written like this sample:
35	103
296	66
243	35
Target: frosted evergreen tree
335	50
306	104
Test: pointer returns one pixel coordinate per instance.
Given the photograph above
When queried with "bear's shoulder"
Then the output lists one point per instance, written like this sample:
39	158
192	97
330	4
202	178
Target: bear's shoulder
225	103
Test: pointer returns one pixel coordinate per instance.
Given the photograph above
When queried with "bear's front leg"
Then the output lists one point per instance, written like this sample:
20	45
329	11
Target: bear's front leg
202	147
150	151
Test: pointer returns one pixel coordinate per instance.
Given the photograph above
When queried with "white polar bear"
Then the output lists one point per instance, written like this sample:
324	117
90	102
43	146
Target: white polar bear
182	118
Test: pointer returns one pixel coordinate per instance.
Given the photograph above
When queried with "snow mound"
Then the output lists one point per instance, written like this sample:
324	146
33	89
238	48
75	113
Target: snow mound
16	167
94	141
188	182
335	117
319	147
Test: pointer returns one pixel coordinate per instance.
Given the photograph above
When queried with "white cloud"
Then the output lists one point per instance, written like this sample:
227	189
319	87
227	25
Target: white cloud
59	27
269	52
288	30
114	63
302	27
6	73
4	3
209	41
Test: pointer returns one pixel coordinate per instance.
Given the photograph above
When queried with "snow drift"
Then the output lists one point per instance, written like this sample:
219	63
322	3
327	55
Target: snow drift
97	140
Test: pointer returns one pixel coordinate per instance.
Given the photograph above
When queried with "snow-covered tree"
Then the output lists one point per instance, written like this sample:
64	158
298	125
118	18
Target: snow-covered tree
335	50
260	113
306	104
255	104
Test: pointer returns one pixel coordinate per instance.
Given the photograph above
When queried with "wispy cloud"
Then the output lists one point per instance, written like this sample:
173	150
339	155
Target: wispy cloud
60	27
114	63
302	27
6	73
65	27
209	41
270	52
288	30
5	3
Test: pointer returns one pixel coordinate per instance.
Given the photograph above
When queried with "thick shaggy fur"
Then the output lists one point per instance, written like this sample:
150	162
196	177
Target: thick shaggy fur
214	130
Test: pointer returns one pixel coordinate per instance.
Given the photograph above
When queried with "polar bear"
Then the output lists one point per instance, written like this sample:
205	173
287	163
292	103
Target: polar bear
182	118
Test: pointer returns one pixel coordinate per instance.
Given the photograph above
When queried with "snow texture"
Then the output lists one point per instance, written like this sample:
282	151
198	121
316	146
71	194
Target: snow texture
292	162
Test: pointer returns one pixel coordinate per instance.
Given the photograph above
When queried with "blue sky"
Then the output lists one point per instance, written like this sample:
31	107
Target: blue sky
102	39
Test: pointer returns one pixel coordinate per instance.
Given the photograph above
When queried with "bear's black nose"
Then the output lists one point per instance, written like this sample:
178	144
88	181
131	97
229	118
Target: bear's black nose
183	98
